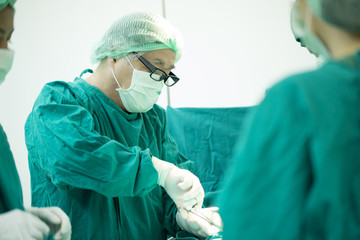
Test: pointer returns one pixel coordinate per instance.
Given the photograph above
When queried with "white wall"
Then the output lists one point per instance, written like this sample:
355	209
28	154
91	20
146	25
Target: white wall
234	50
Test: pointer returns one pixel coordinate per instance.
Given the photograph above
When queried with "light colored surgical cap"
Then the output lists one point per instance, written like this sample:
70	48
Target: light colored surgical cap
137	32
342	13
4	3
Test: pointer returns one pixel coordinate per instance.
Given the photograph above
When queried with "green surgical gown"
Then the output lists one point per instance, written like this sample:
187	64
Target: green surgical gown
297	170
93	160
10	187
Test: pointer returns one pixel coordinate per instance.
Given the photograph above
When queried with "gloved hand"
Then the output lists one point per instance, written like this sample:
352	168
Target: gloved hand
198	226
56	219
181	185
17	224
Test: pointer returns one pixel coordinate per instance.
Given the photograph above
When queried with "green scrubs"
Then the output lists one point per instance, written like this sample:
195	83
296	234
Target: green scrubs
297	170
207	135
93	160
10	187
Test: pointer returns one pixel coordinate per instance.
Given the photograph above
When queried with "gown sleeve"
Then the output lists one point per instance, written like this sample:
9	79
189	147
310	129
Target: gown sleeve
61	141
10	187
266	189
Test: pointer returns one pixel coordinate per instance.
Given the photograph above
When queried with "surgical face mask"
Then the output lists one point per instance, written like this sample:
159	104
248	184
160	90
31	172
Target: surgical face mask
6	60
143	92
307	39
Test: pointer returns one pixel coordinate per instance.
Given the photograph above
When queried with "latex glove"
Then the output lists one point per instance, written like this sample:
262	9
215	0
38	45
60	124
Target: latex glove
17	224
56	219
182	185
197	225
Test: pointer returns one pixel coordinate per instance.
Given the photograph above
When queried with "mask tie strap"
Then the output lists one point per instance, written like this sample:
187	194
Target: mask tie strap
112	71
129	62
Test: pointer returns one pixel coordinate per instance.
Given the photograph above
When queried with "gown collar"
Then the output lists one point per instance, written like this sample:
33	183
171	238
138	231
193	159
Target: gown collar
106	99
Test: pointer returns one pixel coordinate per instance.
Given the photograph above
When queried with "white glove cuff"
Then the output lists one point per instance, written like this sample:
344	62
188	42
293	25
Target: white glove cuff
163	168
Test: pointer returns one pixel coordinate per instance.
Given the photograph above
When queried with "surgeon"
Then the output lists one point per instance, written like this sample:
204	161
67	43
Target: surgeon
99	147
297	171
15	221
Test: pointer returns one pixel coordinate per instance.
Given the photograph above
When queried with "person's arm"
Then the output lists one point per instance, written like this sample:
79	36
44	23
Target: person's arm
266	189
10	186
60	136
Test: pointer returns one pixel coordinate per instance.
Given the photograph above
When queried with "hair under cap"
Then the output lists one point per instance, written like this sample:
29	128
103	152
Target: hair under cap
136	32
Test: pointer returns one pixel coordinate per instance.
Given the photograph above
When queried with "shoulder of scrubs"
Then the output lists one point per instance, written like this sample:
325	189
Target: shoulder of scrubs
334	151
10	187
290	163
269	155
76	137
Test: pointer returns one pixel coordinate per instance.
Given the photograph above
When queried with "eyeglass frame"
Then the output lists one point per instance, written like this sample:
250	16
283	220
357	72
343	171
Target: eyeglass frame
153	69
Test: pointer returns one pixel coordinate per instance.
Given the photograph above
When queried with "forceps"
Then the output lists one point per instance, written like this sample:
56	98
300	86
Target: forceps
202	216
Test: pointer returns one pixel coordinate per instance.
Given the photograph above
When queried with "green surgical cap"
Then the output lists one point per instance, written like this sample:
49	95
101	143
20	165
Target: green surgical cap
342	13
4	3
137	32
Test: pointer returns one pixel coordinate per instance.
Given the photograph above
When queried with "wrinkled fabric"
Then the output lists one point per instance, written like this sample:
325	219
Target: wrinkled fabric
93	160
297	168
10	187
207	136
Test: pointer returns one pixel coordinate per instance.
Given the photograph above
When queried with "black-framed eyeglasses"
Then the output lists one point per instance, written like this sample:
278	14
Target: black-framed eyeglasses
158	74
